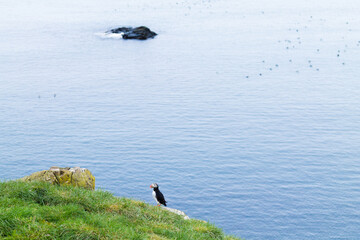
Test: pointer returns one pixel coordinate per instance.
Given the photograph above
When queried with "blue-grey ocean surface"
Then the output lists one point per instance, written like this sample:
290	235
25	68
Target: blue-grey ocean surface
246	113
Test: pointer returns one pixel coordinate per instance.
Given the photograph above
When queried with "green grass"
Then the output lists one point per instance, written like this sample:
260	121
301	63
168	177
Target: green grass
42	211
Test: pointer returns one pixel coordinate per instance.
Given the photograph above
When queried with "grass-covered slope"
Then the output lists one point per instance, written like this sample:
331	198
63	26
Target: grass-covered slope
43	211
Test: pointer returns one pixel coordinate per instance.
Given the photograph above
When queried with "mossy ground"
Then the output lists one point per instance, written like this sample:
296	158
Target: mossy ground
43	211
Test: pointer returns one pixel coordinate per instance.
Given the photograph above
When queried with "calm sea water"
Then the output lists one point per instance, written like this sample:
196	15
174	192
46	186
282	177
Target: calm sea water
246	114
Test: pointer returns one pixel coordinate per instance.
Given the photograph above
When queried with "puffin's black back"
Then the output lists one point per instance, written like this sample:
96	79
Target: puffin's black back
160	196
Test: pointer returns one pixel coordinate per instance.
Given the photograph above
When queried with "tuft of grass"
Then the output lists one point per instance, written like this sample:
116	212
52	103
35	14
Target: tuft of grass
40	210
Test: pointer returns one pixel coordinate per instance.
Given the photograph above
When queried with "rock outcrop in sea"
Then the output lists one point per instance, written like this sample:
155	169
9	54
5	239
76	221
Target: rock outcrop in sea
76	176
140	33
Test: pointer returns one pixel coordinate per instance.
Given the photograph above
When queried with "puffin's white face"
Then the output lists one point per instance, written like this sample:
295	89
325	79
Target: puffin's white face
154	185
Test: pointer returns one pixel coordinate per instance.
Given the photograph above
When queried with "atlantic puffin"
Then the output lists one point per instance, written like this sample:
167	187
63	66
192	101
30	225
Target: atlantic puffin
157	195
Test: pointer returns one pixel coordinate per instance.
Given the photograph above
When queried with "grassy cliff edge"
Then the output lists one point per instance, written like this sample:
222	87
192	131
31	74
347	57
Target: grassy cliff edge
40	210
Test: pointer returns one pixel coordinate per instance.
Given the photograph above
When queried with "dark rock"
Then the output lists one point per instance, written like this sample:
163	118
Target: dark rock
141	33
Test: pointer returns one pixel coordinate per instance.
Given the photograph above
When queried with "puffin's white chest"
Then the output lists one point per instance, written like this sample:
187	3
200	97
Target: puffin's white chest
154	196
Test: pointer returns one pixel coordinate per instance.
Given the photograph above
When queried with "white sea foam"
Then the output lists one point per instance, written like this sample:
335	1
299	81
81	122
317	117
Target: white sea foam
110	35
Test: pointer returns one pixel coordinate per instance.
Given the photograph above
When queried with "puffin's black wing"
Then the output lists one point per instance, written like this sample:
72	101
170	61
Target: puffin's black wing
160	198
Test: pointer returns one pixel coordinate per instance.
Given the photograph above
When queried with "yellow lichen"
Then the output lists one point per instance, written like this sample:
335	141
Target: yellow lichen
79	177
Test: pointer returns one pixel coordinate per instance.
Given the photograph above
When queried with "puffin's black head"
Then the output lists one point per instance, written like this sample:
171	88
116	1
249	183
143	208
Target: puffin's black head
154	186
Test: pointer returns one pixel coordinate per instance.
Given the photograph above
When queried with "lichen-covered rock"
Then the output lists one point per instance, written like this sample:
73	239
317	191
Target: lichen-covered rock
82	177
178	212
75	176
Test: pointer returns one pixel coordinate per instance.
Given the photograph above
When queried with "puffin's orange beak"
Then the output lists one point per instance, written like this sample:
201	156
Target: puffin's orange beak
150	186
